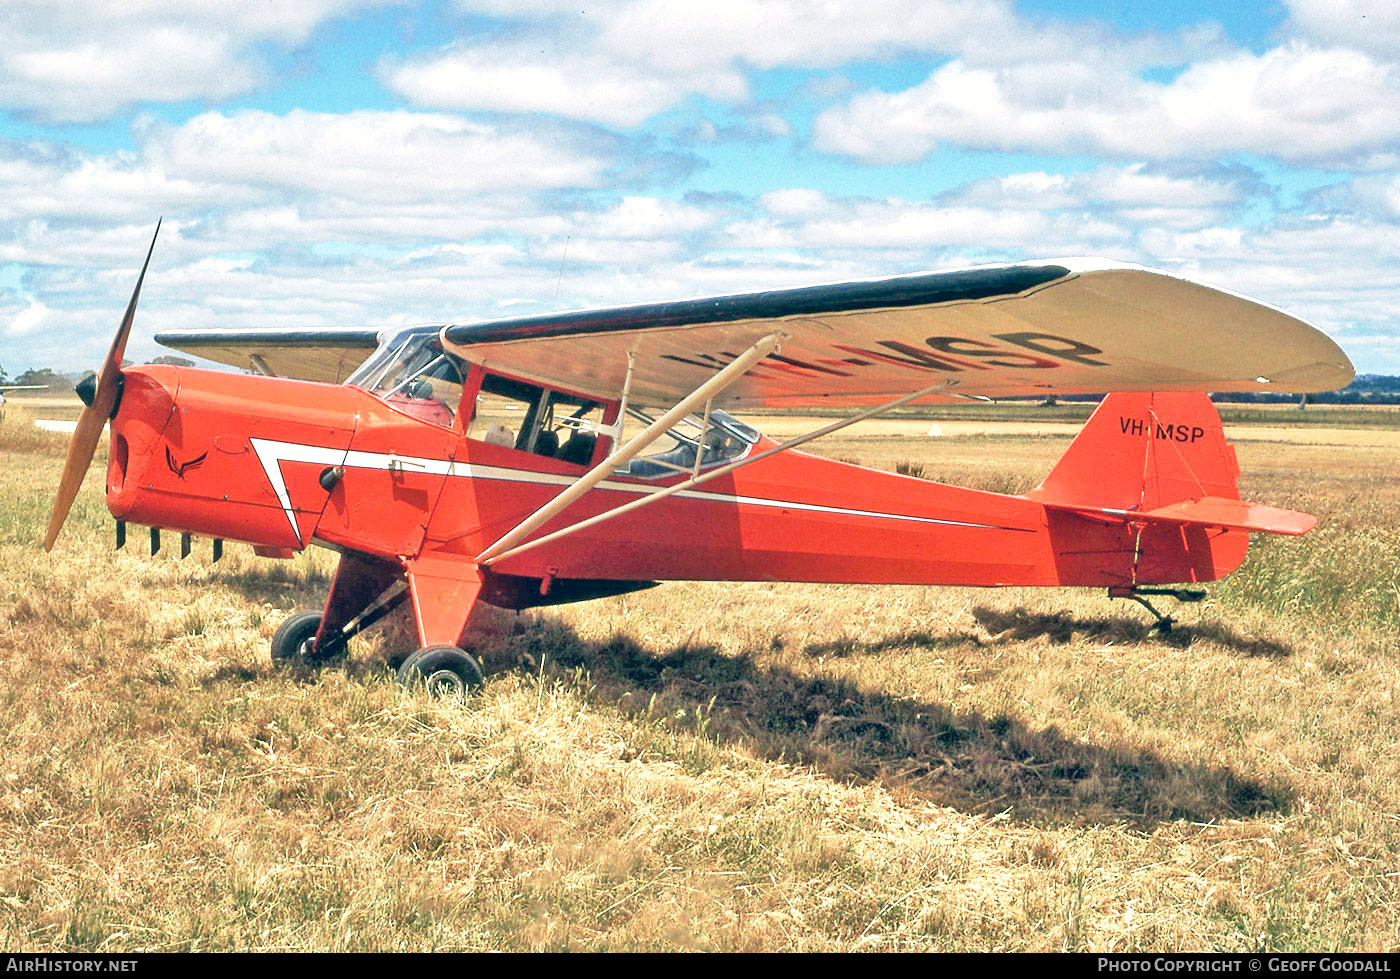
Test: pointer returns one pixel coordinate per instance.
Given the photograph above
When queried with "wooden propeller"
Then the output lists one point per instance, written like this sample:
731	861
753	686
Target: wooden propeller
95	415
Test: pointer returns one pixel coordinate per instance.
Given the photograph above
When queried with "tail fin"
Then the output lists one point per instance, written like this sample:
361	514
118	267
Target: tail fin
1159	457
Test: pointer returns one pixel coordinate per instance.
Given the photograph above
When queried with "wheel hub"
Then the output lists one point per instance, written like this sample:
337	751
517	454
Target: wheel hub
445	684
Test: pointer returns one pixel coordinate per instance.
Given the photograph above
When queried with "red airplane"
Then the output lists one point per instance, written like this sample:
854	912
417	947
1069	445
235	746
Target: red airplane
489	462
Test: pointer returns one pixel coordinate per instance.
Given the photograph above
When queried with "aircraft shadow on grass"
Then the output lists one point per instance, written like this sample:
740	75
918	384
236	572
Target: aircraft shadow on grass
1002	627
969	760
280	583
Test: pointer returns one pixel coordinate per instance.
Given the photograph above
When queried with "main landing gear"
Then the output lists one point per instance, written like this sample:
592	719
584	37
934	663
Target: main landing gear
1136	594
446	672
443	595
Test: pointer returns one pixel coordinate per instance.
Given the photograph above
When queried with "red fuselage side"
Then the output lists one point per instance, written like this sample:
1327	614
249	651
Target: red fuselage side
280	463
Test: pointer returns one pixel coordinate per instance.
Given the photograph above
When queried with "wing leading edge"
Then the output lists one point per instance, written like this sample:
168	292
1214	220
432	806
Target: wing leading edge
1069	326
328	354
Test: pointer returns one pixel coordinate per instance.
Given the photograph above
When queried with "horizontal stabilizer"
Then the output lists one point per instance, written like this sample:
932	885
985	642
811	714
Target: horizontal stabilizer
1214	511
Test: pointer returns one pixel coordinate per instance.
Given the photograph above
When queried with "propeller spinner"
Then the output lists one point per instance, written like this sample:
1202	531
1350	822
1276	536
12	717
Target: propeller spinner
100	398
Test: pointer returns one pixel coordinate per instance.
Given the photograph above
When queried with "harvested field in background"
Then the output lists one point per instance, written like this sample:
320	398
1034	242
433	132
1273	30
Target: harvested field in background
717	766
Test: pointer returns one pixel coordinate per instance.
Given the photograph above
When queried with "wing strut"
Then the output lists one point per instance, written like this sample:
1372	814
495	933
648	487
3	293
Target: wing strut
496	553
731	373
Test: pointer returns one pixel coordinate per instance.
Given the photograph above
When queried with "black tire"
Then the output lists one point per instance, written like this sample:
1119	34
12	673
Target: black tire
294	640
445	671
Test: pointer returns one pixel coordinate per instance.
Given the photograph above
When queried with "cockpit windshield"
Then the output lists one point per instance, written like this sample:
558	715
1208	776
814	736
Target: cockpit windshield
412	373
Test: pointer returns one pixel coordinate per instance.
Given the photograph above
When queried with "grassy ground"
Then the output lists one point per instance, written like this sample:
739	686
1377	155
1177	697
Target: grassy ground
712	766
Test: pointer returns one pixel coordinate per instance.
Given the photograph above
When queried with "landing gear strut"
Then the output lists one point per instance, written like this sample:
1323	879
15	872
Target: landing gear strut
1137	594
295	640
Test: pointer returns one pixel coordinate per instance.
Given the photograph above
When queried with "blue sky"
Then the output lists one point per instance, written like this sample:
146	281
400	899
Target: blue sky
374	162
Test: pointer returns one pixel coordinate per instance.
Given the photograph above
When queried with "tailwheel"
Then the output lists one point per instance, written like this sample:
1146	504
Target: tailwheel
295	640
1137	594
446	672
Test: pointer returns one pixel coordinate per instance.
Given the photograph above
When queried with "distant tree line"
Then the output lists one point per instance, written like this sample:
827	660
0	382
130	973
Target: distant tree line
39	375
55	381
1367	389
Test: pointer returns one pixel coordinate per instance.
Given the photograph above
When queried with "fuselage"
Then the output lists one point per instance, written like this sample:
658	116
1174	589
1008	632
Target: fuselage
282	463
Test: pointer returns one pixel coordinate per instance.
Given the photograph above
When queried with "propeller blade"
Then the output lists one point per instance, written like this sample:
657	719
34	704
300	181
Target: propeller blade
80	452
83	445
114	356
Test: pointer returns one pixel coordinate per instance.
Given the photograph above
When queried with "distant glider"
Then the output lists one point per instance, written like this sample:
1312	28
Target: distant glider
15	387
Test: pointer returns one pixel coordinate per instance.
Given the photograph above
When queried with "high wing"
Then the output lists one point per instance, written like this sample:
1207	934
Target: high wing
1068	326
328	354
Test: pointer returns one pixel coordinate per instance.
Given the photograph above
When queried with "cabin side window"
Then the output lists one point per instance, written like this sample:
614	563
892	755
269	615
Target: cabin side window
529	418
723	439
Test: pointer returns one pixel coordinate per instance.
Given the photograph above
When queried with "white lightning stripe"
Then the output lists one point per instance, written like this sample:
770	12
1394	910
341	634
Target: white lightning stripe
270	454
525	476
273	454
516	475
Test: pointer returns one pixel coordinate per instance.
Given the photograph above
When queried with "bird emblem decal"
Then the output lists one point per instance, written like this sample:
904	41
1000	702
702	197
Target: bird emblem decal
181	468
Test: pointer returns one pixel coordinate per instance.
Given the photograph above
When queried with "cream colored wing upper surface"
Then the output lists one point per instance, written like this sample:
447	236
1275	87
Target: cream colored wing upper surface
329	355
1068	326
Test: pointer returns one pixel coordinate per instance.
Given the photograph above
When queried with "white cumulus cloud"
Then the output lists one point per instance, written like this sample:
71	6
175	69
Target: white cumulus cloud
367	154
621	63
573	85
1365	25
1295	103
84	60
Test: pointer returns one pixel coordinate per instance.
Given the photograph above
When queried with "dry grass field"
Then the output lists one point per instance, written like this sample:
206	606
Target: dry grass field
753	767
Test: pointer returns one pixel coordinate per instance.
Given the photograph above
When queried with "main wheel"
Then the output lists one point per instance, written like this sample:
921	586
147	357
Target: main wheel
295	639
445	671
